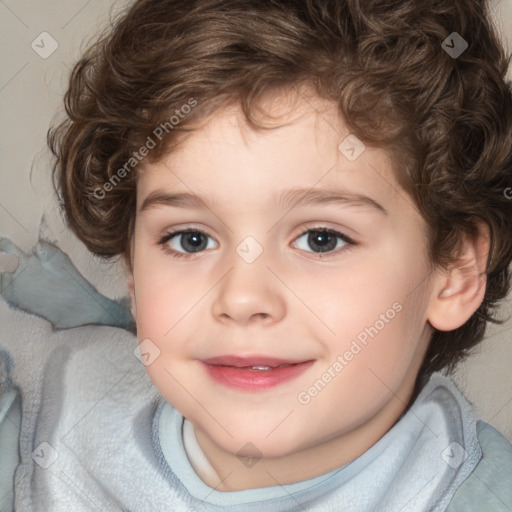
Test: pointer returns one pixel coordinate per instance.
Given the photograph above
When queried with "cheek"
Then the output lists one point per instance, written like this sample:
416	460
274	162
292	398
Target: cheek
373	316
361	377
355	300
164	294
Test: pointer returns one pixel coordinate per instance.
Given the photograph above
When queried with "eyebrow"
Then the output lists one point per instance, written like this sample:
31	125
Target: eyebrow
288	199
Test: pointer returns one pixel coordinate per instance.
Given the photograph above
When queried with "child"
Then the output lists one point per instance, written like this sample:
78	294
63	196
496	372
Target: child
309	198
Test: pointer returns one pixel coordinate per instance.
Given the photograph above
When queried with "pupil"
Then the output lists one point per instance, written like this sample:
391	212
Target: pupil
192	241
323	239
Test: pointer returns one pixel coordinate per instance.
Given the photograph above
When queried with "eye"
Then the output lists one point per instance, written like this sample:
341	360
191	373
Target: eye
186	242
323	240
190	240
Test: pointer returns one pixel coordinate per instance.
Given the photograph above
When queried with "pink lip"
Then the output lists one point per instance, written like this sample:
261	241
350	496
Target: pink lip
236	372
249	361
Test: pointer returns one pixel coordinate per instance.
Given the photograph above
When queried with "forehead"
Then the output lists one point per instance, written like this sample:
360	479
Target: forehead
304	148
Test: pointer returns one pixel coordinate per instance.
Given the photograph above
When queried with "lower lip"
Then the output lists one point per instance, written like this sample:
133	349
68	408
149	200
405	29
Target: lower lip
255	380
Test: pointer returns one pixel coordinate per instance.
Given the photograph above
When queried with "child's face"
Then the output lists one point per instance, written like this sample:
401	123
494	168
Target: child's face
359	313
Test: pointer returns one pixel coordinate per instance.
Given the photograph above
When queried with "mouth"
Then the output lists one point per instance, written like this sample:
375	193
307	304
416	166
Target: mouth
254	373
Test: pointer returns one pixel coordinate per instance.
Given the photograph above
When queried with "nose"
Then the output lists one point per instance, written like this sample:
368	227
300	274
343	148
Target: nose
249	293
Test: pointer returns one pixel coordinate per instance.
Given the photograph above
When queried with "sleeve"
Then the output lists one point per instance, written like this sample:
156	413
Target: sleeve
489	487
10	422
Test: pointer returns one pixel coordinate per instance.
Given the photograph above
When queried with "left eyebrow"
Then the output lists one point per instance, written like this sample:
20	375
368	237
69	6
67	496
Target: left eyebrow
320	197
287	199
178	200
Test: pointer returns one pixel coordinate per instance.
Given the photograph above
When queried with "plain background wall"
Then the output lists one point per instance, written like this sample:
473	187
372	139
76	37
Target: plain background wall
31	93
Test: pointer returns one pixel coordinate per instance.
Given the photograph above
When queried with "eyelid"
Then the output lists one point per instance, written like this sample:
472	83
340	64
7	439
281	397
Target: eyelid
323	227
349	241
171	233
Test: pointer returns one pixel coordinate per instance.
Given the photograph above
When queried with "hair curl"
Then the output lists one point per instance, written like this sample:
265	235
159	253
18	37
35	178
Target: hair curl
448	120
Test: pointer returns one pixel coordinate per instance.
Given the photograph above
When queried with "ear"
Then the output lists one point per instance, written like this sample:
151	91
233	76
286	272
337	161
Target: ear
131	285
459	291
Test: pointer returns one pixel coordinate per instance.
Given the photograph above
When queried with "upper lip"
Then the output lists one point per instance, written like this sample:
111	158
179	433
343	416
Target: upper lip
256	360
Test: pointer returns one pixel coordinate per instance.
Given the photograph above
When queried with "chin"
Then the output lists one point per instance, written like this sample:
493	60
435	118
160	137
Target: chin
255	443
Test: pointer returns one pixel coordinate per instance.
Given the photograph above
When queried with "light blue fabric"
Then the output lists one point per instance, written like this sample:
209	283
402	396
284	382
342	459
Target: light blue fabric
10	422
489	488
46	283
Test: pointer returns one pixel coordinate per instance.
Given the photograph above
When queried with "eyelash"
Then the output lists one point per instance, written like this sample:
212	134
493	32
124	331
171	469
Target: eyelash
350	244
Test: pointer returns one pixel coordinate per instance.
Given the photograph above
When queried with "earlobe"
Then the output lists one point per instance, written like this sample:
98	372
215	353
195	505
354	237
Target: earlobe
459	291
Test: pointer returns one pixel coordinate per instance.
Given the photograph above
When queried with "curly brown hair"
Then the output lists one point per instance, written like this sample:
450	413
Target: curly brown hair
446	118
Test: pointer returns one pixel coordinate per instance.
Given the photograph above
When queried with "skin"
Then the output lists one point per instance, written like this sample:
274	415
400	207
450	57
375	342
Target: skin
289	303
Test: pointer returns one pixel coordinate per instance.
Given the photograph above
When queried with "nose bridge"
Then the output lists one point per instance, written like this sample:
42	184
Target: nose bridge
249	290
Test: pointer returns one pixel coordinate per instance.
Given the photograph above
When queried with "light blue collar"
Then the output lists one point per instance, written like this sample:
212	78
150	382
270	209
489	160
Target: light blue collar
417	465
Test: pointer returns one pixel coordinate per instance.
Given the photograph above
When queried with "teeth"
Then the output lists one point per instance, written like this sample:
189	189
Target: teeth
268	367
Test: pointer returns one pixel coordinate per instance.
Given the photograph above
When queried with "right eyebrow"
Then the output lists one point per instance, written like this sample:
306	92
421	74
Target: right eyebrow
178	200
